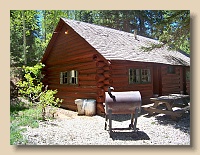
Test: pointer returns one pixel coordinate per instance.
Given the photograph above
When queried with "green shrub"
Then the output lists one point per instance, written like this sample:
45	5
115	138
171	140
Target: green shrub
33	89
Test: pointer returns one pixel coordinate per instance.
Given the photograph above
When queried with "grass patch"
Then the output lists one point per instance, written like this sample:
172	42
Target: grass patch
21	116
24	115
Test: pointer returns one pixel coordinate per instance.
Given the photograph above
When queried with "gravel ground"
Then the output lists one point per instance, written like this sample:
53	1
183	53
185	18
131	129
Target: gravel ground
70	129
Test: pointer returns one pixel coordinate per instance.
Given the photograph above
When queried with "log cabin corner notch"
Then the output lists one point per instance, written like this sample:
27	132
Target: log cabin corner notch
82	60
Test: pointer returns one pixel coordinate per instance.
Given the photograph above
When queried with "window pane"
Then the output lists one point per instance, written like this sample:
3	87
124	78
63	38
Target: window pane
187	75
65	77
145	75
130	76
171	70
61	78
74	77
134	76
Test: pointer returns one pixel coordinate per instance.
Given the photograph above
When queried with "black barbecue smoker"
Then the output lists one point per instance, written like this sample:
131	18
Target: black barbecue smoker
128	102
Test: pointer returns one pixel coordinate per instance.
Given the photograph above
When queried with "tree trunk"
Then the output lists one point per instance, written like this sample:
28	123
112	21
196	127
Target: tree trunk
24	38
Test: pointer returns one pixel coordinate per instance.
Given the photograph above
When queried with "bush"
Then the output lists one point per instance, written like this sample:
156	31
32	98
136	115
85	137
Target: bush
33	89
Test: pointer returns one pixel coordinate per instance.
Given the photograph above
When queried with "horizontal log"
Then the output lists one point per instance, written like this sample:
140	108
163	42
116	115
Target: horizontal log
81	65
96	57
87	71
75	66
75	46
106	88
100	84
100	92
107	68
168	78
54	82
165	73
123	81
133	88
108	81
99	71
99	77
69	106
171	81
100	64
130	63
126	66
100	99
73	88
67	60
170	91
118	72
107	74
78	95
87	77
170	86
100	108
75	54
87	83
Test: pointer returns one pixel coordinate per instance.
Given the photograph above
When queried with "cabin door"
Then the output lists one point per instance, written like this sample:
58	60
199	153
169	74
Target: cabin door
157	83
184	80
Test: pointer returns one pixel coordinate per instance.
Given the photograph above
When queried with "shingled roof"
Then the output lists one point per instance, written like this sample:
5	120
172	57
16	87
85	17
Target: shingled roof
119	45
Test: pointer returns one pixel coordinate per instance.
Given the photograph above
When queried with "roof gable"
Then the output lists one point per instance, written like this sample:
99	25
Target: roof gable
119	45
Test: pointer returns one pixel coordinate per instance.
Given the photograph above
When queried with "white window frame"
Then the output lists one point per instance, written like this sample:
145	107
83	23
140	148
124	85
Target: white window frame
73	77
69	77
64	77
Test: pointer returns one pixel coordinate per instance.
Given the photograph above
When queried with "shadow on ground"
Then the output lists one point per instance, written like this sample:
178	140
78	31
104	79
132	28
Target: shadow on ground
121	117
129	135
182	123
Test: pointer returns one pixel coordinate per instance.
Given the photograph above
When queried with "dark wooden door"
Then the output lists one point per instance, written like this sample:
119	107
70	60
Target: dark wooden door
157	83
184	79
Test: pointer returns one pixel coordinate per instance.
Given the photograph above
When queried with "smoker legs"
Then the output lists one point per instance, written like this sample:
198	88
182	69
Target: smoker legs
133	126
110	121
108	118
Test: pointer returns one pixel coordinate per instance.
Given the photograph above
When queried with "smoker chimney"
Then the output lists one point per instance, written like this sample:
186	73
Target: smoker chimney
135	34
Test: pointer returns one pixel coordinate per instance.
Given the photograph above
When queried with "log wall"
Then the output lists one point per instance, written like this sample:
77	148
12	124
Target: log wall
120	78
171	83
188	81
71	52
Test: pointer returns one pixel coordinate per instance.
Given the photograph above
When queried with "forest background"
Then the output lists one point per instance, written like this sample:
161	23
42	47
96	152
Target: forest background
31	30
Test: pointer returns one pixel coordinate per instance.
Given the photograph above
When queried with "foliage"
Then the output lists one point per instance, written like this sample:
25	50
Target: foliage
174	29
33	89
21	116
17	41
31	85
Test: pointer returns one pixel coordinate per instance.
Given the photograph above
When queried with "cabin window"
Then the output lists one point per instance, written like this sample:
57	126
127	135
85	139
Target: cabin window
134	76
187	75
139	76
73	77
63	78
69	77
171	70
145	76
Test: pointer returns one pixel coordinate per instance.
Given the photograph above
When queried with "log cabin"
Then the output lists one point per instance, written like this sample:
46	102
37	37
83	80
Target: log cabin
82	60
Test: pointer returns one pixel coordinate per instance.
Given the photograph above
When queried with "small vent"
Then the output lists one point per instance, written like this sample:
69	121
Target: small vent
135	34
